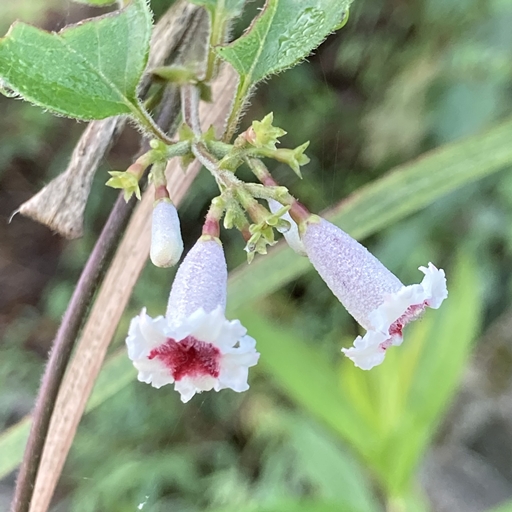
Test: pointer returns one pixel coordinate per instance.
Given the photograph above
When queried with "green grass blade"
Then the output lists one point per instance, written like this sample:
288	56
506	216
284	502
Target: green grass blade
403	191
412	390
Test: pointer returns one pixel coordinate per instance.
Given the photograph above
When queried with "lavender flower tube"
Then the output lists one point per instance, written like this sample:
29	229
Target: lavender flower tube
373	295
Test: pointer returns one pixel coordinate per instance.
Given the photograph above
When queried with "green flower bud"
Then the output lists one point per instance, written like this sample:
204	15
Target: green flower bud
262	134
126	181
295	158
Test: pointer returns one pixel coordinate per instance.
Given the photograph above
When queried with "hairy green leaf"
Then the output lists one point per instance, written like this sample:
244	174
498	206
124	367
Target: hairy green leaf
284	33
87	71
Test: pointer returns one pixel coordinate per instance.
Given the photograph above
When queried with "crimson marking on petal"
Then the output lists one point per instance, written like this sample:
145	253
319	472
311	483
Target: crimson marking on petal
396	328
188	357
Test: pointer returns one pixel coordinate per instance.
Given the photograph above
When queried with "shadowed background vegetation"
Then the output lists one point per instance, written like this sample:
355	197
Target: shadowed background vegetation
431	429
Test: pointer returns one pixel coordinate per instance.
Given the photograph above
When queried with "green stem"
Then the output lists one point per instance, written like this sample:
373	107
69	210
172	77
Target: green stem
279	194
177	149
224	178
236	110
298	211
259	169
218	148
256	211
217	37
149	125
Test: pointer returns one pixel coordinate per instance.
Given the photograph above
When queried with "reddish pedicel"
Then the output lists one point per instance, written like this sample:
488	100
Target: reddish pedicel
188	357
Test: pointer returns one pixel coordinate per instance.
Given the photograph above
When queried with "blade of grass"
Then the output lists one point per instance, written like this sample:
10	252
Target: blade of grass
406	189
410	392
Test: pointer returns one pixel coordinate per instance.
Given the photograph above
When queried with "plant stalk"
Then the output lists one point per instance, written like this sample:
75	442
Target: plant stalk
62	347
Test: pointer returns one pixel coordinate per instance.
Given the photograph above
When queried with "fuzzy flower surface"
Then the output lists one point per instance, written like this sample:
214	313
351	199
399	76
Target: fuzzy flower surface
194	346
372	294
166	242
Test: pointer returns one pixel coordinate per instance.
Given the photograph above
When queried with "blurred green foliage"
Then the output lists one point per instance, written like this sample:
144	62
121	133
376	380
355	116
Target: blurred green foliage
314	433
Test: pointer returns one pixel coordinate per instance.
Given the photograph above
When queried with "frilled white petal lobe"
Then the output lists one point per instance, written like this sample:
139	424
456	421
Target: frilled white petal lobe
210	326
230	335
367	351
431	292
434	284
145	333
291	235
394	306
187	389
397	310
234	378
235	365
166	242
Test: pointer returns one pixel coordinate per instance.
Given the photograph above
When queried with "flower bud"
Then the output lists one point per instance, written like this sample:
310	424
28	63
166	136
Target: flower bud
166	242
291	235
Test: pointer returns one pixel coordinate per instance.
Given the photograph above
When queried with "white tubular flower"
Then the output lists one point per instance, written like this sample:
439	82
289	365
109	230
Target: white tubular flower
374	296
291	235
194	346
166	242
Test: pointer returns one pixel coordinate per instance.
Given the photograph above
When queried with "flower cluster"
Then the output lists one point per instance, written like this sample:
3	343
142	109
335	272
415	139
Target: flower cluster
194	346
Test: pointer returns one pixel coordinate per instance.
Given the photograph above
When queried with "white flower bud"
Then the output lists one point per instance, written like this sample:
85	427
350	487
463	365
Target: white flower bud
166	242
291	235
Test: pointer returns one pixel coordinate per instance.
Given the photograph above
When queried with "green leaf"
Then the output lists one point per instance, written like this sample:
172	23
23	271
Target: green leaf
12	446
87	71
333	471
291	506
284	33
